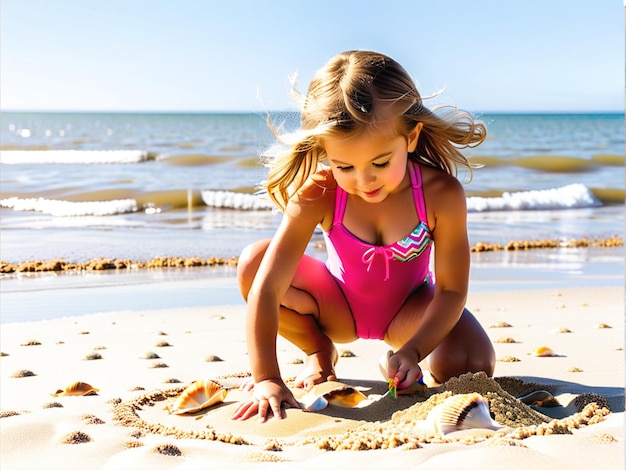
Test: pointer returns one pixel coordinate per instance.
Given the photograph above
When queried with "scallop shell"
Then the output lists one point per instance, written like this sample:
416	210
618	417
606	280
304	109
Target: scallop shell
383	365
333	393
197	396
76	389
544	351
459	412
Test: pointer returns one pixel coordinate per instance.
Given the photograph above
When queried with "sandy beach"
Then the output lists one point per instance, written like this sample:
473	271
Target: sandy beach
139	362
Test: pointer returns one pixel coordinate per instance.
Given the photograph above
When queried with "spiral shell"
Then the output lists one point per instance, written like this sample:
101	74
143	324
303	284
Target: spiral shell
76	389
459	412
197	396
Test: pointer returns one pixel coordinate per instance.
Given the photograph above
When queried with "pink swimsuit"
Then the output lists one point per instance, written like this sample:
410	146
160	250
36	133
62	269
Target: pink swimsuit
377	279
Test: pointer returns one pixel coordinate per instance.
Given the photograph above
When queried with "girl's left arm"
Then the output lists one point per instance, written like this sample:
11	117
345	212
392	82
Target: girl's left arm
451	265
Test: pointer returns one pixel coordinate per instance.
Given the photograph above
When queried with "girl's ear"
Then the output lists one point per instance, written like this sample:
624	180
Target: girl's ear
413	137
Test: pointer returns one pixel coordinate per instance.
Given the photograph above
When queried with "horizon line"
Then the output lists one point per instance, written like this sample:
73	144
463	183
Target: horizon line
251	111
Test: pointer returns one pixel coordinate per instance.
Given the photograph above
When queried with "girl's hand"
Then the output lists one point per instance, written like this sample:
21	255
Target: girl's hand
403	369
268	396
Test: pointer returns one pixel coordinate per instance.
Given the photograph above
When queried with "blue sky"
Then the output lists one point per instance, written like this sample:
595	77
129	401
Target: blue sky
237	55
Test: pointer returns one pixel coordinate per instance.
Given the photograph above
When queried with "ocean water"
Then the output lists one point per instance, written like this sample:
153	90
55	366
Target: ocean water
81	185
137	186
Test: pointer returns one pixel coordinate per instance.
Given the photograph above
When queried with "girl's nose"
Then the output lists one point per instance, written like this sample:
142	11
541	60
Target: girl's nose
365	178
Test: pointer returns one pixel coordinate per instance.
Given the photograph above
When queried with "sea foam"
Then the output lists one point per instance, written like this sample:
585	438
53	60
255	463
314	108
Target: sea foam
566	197
70	208
234	200
14	157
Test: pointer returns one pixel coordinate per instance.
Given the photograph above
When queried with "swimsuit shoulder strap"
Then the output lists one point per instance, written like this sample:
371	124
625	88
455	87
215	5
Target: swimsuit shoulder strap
341	199
418	191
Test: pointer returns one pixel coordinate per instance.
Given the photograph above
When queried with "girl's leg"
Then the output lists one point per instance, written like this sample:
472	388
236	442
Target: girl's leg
313	313
467	348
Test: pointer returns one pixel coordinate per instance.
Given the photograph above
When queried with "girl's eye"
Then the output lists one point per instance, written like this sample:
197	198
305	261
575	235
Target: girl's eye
381	165
344	168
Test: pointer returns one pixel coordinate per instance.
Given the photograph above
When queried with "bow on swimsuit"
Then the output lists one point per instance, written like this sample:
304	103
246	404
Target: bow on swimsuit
376	280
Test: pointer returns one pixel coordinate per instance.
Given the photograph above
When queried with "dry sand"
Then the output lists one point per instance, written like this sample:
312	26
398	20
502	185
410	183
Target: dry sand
125	425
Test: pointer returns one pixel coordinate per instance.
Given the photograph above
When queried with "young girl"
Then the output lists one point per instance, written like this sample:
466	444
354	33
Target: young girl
385	195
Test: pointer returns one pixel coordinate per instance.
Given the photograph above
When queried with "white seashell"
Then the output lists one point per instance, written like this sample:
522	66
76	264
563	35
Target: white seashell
312	402
197	396
333	393
459	412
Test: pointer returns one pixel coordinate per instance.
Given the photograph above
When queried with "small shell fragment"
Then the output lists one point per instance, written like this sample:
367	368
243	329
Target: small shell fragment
149	355
562	330
213	358
23	373
92	356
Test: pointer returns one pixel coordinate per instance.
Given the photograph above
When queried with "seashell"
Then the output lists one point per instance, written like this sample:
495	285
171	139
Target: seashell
197	396
92	356
149	355
561	330
333	393
23	373
544	351
312	402
539	397
459	412
77	389
213	358
383	366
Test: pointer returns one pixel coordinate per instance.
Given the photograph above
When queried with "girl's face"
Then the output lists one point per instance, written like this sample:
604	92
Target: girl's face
371	165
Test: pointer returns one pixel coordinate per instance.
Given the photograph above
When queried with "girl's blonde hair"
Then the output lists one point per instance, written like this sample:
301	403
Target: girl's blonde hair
358	91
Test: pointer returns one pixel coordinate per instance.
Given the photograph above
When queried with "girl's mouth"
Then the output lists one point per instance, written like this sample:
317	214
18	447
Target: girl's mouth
373	193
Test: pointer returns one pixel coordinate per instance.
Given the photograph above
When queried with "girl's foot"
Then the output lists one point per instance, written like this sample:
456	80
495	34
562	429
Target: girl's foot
319	367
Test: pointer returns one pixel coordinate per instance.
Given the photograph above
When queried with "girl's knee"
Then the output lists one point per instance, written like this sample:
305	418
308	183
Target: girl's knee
248	264
472	364
482	363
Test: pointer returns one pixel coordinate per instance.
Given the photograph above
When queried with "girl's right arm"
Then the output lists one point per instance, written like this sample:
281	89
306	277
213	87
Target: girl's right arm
303	213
